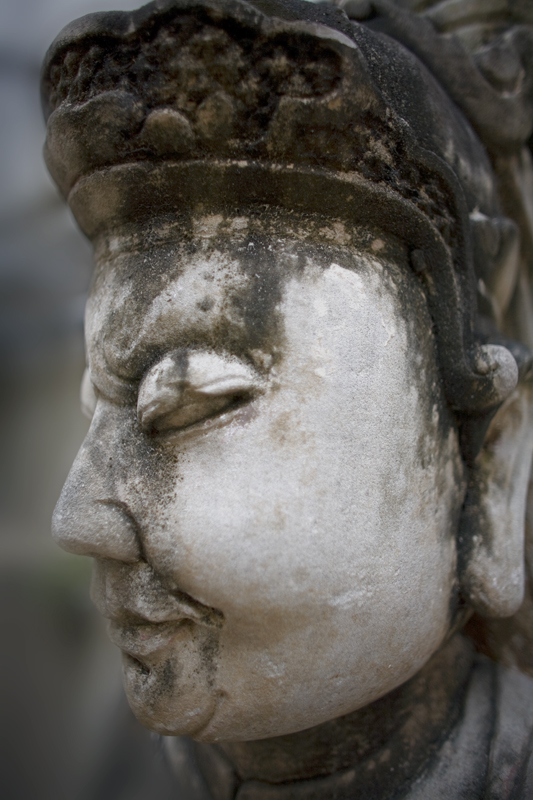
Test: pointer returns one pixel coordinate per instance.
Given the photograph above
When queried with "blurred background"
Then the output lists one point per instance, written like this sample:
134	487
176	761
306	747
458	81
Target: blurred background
66	731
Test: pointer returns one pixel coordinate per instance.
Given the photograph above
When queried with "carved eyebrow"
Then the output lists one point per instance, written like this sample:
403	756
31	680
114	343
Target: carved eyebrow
123	360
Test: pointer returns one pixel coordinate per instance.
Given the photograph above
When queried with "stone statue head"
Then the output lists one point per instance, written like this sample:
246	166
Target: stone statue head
311	418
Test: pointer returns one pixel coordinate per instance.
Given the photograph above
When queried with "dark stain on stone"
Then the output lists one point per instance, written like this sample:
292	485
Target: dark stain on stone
206	304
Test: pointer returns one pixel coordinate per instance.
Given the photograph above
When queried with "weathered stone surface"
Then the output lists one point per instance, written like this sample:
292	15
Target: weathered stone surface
309	381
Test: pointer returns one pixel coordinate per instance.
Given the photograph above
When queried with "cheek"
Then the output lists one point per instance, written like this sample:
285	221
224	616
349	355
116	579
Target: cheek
335	500
322	521
286	519
296	548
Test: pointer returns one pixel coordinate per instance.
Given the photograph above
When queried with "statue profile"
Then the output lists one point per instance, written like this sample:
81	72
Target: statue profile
309	376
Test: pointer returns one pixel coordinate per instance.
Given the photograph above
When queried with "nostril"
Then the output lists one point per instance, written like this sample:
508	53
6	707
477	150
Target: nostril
97	528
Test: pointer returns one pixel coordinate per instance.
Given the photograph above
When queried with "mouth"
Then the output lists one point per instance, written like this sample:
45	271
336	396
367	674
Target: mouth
145	640
146	632
150	619
143	645
134	599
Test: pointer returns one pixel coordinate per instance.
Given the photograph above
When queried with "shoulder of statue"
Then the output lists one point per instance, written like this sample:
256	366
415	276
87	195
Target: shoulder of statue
488	755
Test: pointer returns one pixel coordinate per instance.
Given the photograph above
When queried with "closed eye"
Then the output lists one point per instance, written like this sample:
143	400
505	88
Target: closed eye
197	410
188	387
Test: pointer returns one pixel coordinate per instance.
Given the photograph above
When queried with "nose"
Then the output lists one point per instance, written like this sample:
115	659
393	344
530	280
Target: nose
89	518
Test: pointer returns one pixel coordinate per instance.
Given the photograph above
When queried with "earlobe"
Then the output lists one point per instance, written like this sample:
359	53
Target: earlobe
491	532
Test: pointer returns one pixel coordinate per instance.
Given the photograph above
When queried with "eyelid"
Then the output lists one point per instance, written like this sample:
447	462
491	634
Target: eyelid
185	379
87	395
213	374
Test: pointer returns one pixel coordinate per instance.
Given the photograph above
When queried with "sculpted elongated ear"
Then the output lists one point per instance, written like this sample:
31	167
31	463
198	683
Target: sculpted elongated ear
491	534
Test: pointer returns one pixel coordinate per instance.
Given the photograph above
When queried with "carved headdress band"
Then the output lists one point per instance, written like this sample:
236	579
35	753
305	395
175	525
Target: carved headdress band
218	104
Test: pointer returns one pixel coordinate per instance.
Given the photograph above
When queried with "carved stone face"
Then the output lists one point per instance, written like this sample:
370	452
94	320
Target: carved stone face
271	482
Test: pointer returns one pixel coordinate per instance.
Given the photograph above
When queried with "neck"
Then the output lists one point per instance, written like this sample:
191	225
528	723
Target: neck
400	730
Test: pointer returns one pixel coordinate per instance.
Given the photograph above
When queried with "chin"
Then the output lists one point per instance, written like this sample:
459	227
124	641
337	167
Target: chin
169	697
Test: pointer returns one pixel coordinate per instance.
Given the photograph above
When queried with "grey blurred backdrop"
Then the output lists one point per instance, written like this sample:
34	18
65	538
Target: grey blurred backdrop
66	732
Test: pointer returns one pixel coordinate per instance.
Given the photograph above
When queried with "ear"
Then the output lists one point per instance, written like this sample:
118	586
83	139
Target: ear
491	532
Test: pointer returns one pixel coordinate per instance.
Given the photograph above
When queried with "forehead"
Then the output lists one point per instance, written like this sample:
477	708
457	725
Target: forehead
218	283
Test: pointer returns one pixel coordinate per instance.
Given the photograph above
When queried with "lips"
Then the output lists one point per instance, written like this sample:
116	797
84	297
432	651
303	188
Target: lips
147	640
144	642
147	635
169	645
177	608
141	607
